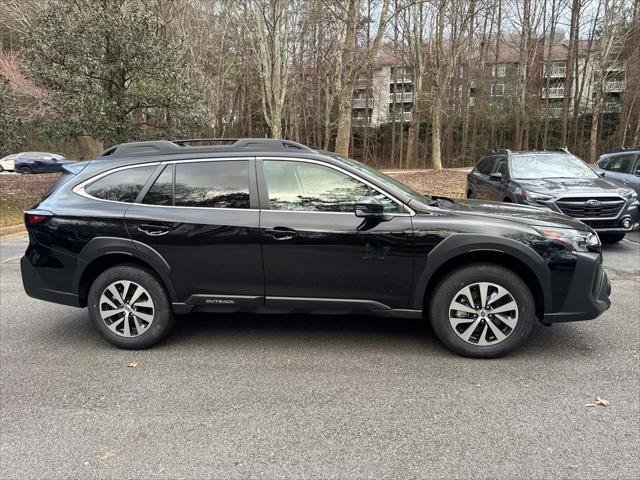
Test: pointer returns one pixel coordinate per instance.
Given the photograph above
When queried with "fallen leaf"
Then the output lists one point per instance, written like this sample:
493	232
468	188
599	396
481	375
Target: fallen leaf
258	430
108	455
599	402
133	364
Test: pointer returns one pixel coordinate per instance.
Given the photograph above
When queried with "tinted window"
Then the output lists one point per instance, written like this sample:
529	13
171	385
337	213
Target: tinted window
161	192
212	184
121	186
485	166
310	187
622	163
501	166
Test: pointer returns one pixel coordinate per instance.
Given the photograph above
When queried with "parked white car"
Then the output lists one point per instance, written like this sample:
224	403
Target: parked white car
8	163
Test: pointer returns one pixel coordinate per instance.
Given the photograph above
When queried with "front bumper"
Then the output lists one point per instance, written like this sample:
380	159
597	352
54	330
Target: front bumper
588	294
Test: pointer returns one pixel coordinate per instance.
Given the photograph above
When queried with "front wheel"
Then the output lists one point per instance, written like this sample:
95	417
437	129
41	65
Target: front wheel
25	170
482	310
129	307
611	237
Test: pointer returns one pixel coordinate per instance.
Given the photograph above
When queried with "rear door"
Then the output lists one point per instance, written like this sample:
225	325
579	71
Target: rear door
317	253
202	217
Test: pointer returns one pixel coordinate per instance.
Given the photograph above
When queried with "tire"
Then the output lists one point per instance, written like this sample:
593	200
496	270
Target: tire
611	237
25	170
507	200
470	194
487	345
1	169
154	318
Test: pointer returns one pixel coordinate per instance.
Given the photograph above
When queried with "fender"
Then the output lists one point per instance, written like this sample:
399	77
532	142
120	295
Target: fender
463	243
100	246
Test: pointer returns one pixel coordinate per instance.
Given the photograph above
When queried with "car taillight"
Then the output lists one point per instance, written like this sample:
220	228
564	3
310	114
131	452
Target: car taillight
31	219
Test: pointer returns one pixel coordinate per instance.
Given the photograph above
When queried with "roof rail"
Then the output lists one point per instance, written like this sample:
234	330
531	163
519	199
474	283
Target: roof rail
161	147
504	151
624	149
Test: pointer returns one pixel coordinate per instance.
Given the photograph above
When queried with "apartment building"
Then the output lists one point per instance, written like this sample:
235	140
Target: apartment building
384	95
386	92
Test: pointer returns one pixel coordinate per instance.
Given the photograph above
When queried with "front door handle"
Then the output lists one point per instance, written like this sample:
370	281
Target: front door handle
154	230
281	233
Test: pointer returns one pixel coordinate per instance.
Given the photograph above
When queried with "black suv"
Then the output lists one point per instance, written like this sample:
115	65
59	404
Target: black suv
154	229
558	181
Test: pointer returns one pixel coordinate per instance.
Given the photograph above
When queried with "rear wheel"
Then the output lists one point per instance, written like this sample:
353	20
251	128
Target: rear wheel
25	170
482	310
129	307
1	169
611	237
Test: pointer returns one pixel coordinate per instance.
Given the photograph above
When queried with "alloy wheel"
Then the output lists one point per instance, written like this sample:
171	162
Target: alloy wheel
126	308
483	313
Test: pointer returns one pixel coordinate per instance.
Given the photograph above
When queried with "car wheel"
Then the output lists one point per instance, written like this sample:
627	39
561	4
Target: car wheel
482	310
470	194
507	200
1	169
611	237
129	307
25	170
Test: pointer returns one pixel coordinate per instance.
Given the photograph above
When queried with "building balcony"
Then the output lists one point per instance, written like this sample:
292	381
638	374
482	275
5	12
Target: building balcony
614	86
556	71
612	107
361	84
363	103
553	92
400	116
400	80
472	101
402	97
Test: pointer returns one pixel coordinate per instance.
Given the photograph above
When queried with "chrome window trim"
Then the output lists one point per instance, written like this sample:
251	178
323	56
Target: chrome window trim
346	172
80	188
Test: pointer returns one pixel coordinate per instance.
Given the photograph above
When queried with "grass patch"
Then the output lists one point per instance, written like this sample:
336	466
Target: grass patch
19	193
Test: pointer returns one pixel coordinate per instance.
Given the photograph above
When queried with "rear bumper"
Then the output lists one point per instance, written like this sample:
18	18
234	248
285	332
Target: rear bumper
588	294
36	287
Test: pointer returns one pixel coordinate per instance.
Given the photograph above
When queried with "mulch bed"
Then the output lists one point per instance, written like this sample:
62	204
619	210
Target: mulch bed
20	192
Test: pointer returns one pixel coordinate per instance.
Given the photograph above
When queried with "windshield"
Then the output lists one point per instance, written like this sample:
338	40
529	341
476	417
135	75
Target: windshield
374	172
549	166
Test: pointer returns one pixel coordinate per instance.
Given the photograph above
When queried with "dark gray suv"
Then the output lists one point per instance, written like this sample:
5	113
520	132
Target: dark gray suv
559	181
621	166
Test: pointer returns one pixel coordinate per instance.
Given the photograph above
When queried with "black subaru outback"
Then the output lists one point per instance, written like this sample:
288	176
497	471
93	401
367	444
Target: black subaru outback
149	230
558	181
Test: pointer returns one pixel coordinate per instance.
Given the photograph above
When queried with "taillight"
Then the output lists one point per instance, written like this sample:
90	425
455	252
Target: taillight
31	219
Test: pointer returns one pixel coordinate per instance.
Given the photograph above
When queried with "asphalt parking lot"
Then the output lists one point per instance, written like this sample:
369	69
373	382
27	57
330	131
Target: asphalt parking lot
246	396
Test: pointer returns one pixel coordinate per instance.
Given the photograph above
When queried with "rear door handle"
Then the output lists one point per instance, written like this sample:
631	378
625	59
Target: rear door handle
154	230
281	233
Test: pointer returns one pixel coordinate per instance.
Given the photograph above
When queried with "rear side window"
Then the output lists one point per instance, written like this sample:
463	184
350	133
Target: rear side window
121	186
220	184
161	192
485	166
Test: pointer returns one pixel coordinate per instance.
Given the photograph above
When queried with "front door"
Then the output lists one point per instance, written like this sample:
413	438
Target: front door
198	216
314	247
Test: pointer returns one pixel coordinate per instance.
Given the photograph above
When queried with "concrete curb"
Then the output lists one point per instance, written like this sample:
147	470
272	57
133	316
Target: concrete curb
12	230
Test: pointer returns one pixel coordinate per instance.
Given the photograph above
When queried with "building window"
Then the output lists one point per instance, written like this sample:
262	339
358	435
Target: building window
497	89
498	70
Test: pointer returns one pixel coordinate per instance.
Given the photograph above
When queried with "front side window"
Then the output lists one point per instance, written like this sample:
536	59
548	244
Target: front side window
302	186
622	163
121	186
485	166
501	166
220	184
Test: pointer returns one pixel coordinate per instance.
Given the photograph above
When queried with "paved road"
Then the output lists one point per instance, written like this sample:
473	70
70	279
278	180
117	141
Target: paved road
300	397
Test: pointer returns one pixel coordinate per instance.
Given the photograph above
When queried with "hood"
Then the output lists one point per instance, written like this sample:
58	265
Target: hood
558	187
512	212
64	161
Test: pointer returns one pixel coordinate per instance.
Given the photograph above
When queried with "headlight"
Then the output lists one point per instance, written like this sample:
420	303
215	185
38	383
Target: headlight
579	240
536	197
627	193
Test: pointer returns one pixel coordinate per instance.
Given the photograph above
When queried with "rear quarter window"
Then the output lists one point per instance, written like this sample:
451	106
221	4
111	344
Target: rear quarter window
121	186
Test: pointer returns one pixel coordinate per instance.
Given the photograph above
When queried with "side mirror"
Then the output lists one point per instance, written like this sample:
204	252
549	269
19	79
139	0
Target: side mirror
496	176
369	207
